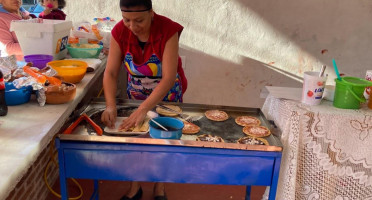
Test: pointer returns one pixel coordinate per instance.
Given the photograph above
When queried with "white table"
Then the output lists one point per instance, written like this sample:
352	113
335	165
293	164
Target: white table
28	128
327	151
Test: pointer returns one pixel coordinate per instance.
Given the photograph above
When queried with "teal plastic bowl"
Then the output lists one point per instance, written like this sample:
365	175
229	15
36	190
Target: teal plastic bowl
84	52
173	125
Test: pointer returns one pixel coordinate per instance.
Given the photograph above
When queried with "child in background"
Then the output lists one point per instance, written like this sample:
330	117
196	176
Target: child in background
53	9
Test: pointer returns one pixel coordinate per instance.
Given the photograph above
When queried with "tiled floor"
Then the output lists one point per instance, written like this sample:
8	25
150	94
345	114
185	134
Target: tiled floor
113	190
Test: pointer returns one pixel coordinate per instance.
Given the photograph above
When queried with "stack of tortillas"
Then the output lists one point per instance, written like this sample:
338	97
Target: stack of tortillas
247	121
165	112
144	127
190	128
209	138
252	141
256	131
216	115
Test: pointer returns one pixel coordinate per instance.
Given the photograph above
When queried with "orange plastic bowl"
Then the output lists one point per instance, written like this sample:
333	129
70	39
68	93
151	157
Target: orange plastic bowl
71	71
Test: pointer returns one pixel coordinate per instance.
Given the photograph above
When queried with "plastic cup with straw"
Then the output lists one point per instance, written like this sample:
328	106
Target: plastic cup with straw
336	69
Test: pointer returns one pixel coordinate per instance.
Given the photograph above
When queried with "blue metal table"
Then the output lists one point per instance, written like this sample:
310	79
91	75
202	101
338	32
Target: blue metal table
177	161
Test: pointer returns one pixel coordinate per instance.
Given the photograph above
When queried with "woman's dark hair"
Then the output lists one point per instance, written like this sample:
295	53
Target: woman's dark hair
61	3
133	3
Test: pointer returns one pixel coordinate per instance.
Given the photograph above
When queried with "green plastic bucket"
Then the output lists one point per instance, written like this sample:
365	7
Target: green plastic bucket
349	92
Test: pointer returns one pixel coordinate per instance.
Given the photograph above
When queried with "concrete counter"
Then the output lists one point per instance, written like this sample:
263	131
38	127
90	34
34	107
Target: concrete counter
28	128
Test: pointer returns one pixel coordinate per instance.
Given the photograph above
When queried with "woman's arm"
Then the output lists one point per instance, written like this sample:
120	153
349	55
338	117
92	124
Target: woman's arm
169	72
7	42
110	83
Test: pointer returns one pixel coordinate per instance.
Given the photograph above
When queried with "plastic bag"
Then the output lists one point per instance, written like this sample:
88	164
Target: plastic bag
101	31
28	80
7	65
105	26
83	30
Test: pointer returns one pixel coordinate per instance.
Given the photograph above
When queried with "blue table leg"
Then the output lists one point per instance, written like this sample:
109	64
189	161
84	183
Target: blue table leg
95	195
274	183
62	175
248	192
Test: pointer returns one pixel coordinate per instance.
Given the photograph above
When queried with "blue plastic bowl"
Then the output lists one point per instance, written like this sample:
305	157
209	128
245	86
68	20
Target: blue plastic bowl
174	126
14	96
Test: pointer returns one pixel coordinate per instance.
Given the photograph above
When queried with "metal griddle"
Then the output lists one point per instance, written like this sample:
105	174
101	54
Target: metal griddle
228	129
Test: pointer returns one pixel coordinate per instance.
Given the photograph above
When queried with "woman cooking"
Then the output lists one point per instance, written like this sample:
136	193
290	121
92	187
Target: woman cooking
147	44
11	10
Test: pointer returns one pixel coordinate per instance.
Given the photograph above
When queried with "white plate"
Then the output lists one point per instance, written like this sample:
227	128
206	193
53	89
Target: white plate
115	130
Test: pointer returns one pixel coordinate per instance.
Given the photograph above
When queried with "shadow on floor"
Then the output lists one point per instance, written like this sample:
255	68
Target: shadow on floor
113	190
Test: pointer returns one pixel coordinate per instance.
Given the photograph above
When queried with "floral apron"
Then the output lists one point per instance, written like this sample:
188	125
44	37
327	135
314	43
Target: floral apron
143	78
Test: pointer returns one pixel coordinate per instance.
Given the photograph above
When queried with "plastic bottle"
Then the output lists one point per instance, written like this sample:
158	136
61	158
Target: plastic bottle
3	106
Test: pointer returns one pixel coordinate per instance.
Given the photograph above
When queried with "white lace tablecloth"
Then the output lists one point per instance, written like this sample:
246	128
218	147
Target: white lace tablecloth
327	151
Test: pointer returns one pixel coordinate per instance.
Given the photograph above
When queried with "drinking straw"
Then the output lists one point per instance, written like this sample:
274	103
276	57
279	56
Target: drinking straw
336	69
322	69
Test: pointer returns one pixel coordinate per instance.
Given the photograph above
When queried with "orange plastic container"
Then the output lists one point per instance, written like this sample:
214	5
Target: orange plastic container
71	71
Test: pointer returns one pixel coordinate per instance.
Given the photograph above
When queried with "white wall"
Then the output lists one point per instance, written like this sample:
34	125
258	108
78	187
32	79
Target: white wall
234	48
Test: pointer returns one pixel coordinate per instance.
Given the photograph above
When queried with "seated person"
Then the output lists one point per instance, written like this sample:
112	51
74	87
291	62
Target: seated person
11	10
53	9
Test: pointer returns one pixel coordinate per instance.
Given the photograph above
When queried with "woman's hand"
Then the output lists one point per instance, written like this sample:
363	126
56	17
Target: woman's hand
108	117
135	119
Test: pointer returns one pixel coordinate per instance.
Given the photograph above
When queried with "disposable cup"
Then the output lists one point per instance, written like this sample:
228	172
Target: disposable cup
313	88
329	92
